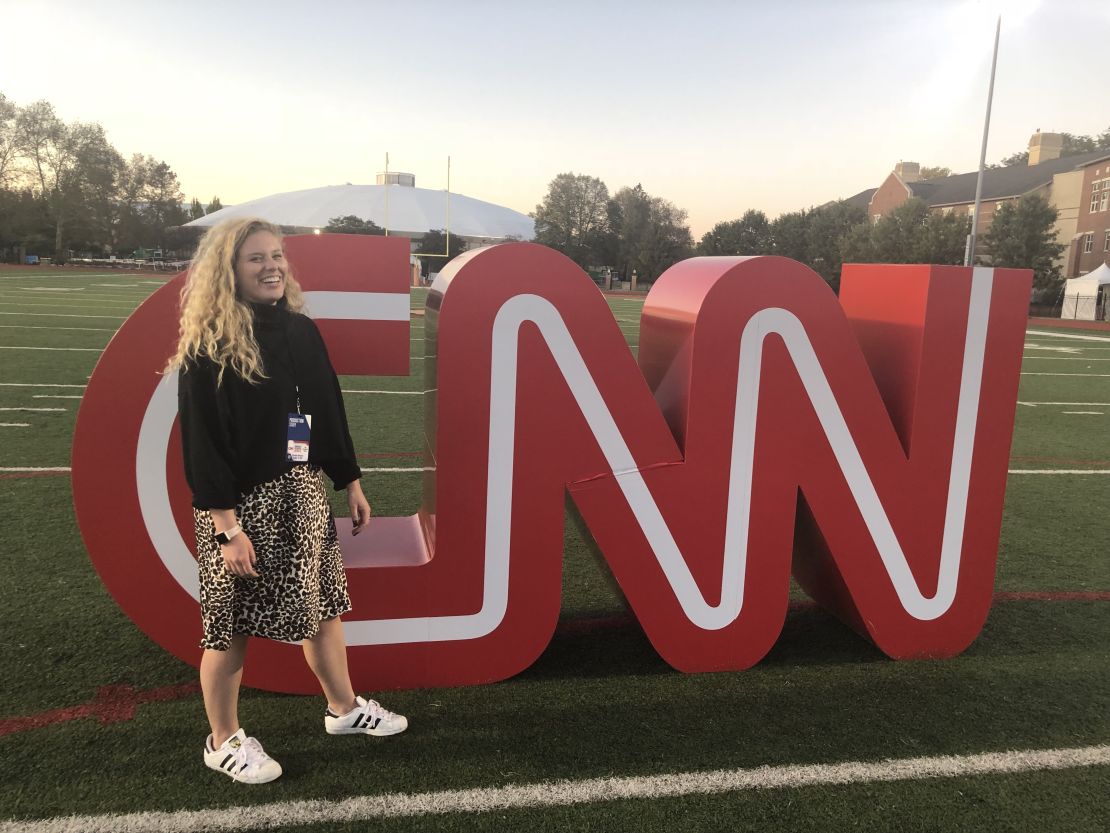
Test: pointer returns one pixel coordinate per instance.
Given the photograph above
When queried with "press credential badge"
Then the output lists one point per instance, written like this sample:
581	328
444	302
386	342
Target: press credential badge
300	431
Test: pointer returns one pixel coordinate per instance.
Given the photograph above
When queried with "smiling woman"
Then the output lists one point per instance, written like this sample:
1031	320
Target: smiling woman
260	268
256	443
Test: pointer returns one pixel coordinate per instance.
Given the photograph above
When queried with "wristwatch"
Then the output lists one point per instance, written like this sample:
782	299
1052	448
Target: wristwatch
225	537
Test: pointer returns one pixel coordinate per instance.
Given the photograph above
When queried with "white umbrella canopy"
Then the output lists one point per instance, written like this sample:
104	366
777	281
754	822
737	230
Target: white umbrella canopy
411	211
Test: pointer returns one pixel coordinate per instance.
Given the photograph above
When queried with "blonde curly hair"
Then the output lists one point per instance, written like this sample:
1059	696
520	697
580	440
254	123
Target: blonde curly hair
215	321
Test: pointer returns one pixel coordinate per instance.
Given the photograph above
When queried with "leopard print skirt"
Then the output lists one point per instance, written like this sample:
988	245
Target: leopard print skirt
301	580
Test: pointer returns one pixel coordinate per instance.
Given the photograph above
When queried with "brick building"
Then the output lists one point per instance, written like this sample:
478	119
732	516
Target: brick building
1090	245
1061	181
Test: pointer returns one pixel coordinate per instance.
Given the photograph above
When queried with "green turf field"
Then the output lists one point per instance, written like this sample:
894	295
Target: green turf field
599	704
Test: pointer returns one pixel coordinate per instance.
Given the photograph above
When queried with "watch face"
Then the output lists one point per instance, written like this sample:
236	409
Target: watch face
221	538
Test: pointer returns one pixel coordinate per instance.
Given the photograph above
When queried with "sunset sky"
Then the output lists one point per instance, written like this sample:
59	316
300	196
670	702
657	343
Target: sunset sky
716	106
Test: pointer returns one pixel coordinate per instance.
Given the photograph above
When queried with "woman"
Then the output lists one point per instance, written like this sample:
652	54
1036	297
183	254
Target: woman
261	416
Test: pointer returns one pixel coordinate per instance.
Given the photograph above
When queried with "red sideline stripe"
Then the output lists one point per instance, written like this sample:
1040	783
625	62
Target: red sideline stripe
1068	323
112	704
116	703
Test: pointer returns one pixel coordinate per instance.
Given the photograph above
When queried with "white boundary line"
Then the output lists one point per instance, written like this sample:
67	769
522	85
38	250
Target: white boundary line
37	327
34	468
570	793
1065	335
1058	471
62	315
1095	375
35	385
61	349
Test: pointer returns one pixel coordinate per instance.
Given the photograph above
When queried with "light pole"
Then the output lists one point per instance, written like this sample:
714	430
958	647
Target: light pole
969	252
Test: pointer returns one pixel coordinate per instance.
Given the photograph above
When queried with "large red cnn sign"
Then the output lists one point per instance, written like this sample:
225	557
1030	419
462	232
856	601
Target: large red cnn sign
764	426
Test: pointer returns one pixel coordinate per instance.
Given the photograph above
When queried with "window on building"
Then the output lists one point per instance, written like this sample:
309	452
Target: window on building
1100	195
1088	242
1106	243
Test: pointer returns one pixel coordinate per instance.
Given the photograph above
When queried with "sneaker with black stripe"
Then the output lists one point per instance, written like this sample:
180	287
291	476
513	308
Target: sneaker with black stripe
366	718
241	758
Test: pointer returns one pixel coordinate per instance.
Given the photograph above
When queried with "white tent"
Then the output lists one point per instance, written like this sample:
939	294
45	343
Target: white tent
404	210
1082	298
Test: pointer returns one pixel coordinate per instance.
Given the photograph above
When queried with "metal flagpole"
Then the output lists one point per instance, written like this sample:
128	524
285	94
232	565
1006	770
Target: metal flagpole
969	253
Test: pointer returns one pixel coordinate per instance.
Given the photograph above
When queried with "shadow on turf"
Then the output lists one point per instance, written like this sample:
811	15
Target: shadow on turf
809	636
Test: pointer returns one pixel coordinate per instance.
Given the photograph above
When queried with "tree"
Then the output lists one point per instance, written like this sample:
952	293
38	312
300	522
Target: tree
9	144
149	201
71	166
351	224
437	243
573	217
1023	234
935	173
196	210
826	227
750	235
911	233
789	233
213	206
649	233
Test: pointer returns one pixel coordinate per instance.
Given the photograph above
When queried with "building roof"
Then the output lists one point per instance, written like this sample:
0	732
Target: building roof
1011	181
862	199
411	211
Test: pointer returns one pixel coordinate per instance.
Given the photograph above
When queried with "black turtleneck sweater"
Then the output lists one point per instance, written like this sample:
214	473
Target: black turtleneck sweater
234	434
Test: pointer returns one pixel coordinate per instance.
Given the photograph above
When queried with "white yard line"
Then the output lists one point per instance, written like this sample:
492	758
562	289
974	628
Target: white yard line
390	392
74	349
35	385
38	276
35	327
1059	471
1065	335
15	425
1076	404
34	468
33	409
1093	413
569	793
54	396
1095	375
1066	358
82	304
61	315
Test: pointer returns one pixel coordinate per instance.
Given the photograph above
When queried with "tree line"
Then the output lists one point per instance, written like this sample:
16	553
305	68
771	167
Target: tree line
634	231
64	188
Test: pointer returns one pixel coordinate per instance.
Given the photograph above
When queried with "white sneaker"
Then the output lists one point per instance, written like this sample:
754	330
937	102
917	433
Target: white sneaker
366	718
242	758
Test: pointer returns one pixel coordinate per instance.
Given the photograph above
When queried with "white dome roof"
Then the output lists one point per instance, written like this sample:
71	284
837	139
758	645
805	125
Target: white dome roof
412	211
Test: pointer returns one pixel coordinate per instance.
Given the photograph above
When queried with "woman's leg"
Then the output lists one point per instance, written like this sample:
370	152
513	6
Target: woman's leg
220	675
327	657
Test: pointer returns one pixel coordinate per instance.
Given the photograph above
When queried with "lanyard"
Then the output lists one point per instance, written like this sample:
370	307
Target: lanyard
292	360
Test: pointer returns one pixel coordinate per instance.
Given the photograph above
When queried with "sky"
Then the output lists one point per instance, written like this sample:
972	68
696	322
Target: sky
718	107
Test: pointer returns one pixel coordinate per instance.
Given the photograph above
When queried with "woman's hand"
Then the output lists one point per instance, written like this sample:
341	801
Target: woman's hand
359	506
239	558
